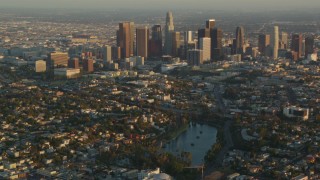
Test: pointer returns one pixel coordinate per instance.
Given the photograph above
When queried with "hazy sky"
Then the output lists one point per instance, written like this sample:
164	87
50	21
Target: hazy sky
167	4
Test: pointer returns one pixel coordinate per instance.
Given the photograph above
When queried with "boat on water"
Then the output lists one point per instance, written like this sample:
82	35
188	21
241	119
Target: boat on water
200	132
192	144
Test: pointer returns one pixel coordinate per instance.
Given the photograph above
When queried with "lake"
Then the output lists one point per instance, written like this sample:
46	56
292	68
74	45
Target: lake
197	140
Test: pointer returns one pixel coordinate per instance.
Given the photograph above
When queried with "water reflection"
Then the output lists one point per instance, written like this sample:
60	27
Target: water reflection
197	140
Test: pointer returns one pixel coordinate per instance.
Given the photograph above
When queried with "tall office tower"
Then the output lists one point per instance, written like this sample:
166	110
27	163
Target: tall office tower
216	43
107	54
155	43
169	28
309	46
188	37
203	33
284	40
87	65
296	44
275	41
175	43
115	53
156	32
205	46
125	39
210	23
57	59
142	38
240	42
73	63
132	39
263	42
195	57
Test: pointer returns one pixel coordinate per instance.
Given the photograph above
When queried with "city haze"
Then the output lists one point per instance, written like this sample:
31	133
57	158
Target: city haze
244	5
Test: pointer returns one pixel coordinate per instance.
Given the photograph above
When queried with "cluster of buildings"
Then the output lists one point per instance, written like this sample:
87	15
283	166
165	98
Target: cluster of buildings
114	100
58	134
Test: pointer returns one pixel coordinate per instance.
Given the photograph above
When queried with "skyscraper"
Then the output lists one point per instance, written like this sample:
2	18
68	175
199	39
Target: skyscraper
195	57
296	44
125	39
169	28
263	42
283	40
216	43
203	33
107	54
205	46
210	23
132	38
275	41
116	52
309	46
155	43
188	37
142	38
175	43
240	40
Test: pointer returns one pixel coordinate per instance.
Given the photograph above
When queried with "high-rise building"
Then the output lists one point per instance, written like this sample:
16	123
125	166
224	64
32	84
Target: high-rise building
309	46
125	39
169	28
296	44
115	53
142	39
205	46
88	65
263	42
57	59
203	33
156	32
240	42
155	43
216	43
195	57
188	37
132	39
107	54
210	23
175	43
275	41
283	40
73	63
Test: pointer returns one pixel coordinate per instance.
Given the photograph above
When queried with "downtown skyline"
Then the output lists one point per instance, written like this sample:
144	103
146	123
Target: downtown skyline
90	90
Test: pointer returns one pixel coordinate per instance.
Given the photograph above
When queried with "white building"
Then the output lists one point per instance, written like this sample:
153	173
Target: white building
40	66
66	73
293	112
188	38
205	46
313	57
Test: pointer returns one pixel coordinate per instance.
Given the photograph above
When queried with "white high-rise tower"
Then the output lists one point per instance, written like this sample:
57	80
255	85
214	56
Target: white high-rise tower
169	28
205	46
275	42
